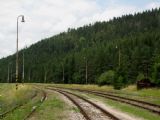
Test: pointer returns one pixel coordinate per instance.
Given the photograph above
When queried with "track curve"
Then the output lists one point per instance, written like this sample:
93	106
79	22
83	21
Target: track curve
86	114
141	104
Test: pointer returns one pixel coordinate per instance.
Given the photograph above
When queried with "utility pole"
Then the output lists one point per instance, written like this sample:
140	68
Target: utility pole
63	71
86	69
29	75
23	69
8	72
11	74
45	75
119	56
17	59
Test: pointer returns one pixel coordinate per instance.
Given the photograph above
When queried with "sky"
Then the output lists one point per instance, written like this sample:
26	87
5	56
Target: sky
45	18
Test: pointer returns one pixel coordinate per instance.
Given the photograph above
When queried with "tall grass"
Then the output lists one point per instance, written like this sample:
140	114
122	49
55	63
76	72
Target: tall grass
10	97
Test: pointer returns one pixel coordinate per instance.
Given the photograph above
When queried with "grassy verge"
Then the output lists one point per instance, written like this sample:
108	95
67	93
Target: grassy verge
23	111
10	97
84	87
150	95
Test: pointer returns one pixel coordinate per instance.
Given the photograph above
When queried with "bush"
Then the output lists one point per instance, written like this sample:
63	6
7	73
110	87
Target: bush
156	74
106	78
140	76
118	83
77	78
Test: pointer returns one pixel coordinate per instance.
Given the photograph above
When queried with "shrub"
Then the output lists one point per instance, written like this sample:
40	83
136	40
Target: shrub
118	83
106	78
140	76
156	74
76	78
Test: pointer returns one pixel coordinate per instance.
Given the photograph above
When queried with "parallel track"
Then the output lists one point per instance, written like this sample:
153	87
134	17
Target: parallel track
141	104
87	117
33	110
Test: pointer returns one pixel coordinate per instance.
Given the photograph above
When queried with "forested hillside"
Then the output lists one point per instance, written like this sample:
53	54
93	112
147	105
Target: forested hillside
118	52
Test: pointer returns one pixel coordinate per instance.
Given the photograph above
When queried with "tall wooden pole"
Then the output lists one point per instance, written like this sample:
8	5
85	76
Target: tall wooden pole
11	74
86	70
29	75
23	69
8	73
17	59
63	72
119	58
17	67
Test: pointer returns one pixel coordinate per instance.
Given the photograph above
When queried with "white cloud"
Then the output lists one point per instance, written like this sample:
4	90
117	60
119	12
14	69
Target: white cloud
45	18
153	5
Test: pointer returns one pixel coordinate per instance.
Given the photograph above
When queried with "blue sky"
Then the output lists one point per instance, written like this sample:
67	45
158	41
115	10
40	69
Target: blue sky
45	18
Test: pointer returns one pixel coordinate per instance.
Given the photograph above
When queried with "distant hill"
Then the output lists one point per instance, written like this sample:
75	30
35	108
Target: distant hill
127	45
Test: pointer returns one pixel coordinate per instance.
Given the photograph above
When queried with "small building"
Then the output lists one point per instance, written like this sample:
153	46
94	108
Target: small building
144	83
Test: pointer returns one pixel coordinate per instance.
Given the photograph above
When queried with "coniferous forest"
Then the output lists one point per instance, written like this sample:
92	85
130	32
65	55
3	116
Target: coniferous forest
118	52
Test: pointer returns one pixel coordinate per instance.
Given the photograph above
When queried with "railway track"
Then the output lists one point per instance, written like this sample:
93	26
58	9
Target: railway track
141	104
89	110
13	109
35	107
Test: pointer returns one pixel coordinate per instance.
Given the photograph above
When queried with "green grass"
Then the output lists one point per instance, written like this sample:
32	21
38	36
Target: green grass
133	110
84	87
52	109
10	97
149	95
55	107
23	111
75	109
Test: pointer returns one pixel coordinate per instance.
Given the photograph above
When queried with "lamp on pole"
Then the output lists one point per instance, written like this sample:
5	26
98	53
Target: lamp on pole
20	16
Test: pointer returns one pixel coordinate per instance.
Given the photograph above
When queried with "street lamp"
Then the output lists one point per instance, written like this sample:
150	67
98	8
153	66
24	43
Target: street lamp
20	16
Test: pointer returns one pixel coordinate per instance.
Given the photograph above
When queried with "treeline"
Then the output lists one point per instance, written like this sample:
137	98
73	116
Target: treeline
118	52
